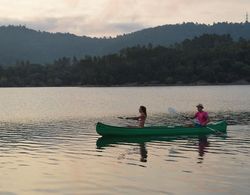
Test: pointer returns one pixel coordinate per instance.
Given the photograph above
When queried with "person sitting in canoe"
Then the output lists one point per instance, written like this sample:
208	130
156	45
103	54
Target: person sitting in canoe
201	117
142	118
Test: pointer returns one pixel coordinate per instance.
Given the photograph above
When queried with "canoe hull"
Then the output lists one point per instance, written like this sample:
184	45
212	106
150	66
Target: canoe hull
108	130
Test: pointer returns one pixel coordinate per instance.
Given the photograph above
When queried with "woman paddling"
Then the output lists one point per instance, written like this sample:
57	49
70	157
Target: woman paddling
142	118
201	117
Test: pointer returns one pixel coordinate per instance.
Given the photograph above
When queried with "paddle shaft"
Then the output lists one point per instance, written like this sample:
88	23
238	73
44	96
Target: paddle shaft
174	111
213	130
128	118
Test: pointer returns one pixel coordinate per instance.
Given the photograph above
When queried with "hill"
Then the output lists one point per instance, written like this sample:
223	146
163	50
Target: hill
19	43
208	59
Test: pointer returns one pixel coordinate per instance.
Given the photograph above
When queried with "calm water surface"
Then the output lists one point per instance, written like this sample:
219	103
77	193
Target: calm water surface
48	143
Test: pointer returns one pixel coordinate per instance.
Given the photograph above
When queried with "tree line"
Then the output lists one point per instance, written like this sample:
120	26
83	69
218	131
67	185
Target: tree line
211	59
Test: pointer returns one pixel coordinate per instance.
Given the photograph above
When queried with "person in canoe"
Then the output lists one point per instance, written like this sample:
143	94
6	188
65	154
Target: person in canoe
142	118
201	117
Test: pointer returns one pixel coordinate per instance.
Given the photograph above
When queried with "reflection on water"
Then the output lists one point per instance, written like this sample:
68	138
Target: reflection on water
48	143
143	152
69	157
218	164
201	142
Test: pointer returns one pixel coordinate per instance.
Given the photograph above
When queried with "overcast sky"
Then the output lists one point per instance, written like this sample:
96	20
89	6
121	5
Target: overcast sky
111	17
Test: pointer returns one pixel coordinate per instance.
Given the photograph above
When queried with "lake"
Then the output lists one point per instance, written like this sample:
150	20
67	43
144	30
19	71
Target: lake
48	143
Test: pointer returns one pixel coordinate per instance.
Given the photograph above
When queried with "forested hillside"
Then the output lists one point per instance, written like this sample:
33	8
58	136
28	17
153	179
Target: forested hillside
18	43
212	59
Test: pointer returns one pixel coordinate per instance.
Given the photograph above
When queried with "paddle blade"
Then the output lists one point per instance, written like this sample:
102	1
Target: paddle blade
171	111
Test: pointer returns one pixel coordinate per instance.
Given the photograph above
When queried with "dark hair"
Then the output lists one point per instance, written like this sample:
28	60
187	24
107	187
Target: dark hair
144	109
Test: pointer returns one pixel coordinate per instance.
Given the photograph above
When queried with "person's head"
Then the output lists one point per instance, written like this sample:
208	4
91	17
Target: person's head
143	109
199	107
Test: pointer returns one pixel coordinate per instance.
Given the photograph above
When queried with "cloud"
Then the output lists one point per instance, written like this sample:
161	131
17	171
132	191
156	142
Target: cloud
126	27
72	3
78	25
112	17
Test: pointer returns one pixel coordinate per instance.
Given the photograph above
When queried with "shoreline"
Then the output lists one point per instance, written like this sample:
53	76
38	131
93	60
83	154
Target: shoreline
140	85
166	85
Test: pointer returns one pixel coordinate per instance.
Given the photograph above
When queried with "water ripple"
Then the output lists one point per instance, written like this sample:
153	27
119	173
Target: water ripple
69	157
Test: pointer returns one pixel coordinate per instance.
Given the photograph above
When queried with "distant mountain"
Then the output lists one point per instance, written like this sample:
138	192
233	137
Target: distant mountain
19	43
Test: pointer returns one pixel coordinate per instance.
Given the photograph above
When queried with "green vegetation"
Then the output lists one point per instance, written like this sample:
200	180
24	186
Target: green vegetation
21	43
209	59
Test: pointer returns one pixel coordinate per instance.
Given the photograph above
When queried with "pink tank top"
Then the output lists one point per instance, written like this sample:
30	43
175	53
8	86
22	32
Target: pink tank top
201	117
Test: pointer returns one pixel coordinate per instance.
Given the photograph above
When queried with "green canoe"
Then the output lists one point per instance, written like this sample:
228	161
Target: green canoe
108	130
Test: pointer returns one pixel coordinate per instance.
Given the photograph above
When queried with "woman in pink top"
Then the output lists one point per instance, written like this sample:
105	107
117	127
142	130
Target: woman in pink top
142	118
201	117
